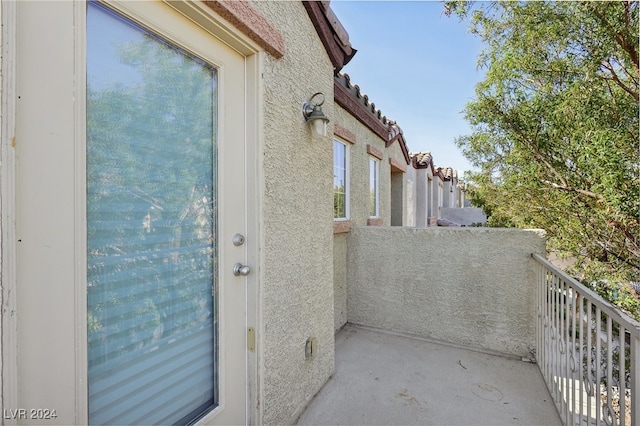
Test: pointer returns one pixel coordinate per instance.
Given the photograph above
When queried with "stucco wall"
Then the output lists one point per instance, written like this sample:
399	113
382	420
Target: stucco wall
296	279
339	280
412	196
398	199
397	185
438	197
359	197
471	286
422	200
359	173
464	216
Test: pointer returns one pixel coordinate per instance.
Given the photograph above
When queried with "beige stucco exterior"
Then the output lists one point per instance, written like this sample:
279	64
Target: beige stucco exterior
468	286
412	196
361	142
423	183
340	280
359	172
296	241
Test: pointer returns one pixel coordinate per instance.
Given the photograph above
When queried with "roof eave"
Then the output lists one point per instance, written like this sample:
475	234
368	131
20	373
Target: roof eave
333	35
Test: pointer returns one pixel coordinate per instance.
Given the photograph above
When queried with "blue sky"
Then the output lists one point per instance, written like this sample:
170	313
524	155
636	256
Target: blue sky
418	67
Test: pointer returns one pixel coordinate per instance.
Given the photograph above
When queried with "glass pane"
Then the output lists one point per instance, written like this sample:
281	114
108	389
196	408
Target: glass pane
339	180
151	218
338	205
373	187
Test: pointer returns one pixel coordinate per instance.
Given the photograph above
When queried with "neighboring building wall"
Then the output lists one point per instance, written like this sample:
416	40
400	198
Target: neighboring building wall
474	286
460	194
398	186
447	194
422	200
464	216
296	284
437	193
412	196
430	206
437	198
398	208
426	191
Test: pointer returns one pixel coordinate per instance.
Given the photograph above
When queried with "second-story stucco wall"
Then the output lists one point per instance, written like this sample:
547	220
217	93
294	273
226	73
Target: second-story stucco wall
468	286
359	169
296	277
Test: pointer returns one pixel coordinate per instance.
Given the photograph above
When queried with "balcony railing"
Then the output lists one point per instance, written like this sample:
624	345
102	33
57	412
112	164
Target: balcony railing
588	352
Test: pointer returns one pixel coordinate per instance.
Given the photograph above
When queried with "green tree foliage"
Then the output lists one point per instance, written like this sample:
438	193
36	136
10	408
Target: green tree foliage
555	127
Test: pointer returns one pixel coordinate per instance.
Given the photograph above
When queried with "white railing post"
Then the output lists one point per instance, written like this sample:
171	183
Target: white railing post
635	380
593	379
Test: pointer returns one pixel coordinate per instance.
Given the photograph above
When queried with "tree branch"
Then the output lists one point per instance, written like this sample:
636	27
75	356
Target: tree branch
620	39
571	189
614	76
629	48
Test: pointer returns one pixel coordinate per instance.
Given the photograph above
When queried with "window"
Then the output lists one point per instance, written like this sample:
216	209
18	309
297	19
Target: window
340	180
374	190
151	224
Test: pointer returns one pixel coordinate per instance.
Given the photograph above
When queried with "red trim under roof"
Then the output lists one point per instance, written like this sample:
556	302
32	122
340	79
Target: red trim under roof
251	23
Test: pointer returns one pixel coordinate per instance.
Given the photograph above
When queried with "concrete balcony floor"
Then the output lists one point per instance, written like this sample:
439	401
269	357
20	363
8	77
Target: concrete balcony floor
388	379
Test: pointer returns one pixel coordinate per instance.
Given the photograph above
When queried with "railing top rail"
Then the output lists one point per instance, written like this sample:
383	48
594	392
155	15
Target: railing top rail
629	323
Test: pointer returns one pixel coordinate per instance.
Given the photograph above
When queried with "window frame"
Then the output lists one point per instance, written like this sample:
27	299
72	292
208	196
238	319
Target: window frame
347	178
374	187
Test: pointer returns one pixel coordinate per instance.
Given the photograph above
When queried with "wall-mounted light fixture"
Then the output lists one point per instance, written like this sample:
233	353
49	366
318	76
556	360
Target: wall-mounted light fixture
312	112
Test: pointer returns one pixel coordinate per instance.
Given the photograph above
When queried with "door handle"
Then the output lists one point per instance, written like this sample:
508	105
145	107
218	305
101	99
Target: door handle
240	269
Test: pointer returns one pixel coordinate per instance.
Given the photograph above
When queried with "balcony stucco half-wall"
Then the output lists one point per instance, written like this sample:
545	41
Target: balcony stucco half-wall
468	286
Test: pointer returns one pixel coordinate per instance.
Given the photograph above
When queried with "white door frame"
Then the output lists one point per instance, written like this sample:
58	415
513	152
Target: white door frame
8	323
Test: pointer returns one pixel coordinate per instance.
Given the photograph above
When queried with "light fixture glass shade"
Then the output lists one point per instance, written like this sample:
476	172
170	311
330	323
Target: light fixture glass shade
318	127
315	117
